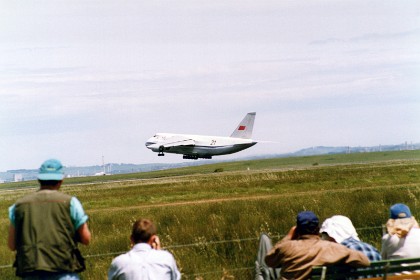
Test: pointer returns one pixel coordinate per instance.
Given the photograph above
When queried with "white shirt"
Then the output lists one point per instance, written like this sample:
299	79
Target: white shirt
143	262
394	247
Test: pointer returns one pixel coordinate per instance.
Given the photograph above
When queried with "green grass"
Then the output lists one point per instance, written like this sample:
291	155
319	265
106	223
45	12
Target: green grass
253	165
211	221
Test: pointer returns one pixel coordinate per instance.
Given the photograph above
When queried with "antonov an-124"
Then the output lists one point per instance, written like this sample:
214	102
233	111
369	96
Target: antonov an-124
200	146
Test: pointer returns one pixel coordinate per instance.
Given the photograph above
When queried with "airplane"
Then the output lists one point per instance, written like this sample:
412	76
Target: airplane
201	146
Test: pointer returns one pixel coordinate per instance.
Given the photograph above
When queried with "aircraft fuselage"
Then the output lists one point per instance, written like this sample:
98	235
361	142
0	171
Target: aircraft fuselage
204	147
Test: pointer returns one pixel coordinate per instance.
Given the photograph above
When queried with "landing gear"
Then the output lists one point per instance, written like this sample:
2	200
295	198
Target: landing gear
161	154
195	157
190	157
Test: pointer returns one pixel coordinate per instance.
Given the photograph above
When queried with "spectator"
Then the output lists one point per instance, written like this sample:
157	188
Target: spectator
262	271
403	237
340	229
45	227
145	260
303	248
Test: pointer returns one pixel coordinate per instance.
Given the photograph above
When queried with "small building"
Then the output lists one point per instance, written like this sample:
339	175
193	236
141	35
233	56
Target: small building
18	177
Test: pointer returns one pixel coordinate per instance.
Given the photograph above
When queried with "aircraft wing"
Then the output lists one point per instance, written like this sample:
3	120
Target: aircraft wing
174	141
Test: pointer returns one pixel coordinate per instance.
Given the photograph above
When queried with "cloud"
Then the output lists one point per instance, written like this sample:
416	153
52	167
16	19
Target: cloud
378	38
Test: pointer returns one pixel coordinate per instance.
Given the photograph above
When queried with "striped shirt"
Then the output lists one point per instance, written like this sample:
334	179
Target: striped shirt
371	252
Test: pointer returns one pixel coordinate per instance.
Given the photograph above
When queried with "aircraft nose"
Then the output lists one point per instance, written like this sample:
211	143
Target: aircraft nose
149	143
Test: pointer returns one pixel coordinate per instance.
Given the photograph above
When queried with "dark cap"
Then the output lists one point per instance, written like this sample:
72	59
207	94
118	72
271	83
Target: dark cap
399	211
307	221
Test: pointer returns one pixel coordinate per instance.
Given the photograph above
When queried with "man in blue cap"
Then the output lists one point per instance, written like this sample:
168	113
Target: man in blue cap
302	248
402	239
45	228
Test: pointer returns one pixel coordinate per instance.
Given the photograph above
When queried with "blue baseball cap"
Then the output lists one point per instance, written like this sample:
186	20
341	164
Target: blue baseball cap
399	211
51	169
307	221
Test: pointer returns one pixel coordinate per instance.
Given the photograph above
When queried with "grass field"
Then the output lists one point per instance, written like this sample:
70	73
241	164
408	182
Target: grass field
211	221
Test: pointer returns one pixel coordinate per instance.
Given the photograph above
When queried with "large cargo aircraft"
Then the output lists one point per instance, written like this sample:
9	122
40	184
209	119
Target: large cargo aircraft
200	146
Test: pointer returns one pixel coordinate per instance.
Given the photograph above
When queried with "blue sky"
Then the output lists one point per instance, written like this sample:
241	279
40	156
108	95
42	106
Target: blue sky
84	79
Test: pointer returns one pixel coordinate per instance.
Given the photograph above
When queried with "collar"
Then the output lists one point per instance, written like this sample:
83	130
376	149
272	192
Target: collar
141	247
46	190
309	236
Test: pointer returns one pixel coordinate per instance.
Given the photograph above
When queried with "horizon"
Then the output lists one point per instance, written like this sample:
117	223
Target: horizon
217	159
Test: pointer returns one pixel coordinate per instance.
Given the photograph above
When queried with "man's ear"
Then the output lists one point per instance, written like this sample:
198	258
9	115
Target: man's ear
57	187
151	239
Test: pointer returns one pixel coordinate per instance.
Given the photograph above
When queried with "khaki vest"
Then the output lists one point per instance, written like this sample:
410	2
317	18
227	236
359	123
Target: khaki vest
45	236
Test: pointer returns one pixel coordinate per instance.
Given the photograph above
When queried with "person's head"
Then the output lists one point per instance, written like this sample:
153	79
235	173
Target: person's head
307	223
337	229
143	231
400	220
51	174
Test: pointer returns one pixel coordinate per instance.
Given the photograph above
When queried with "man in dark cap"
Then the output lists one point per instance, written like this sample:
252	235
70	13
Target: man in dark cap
302	248
45	227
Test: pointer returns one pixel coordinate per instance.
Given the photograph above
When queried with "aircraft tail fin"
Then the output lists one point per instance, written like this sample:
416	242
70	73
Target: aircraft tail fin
244	129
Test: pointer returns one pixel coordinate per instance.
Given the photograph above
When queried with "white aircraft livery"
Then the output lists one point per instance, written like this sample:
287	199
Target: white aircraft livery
200	146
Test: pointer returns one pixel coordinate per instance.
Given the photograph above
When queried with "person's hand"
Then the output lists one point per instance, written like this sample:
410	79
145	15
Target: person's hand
156	243
292	233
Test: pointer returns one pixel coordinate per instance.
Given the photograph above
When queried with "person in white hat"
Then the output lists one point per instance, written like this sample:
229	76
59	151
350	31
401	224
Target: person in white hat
340	229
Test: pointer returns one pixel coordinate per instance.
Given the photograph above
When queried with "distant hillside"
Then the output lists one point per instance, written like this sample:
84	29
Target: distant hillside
124	168
321	150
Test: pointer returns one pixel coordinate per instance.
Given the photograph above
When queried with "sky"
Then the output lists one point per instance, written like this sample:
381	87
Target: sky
85	80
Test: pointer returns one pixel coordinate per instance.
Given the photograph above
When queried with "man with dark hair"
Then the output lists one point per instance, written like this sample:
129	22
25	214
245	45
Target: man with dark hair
45	227
146	259
143	230
302	248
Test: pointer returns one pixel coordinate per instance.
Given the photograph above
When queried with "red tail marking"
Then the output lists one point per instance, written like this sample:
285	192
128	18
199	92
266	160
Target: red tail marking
242	127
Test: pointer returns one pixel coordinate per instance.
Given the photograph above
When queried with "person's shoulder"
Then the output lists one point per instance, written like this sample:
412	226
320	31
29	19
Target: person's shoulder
342	250
284	243
352	243
304	241
415	229
26	198
336	246
121	258
61	194
414	232
357	244
162	255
